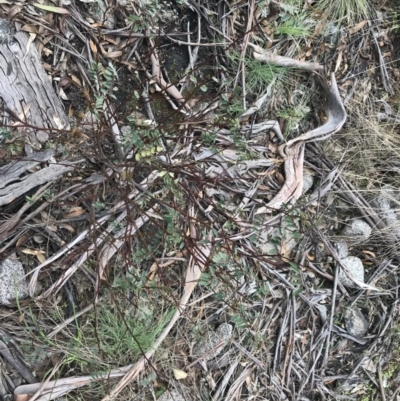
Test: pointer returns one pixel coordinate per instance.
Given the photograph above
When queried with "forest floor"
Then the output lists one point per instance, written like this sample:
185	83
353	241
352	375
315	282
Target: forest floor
233	162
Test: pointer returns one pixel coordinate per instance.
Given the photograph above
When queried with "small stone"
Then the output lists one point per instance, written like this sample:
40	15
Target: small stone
211	340
12	280
342	249
308	181
382	203
385	205
355	322
355	268
172	395
358	231
100	12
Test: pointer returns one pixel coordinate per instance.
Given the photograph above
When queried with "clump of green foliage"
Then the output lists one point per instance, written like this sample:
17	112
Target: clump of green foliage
116	339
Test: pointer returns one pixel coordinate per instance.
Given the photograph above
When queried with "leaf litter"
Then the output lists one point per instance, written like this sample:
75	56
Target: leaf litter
212	221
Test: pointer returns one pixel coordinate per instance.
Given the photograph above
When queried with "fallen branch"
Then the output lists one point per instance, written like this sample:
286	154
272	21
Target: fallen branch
267	56
293	151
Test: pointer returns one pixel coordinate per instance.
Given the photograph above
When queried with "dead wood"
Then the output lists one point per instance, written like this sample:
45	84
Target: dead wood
293	151
25	184
27	91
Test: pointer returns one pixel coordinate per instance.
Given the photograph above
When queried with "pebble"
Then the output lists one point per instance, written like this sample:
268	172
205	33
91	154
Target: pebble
212	339
342	249
100	12
382	203
355	322
355	267
357	231
308	181
172	395
12	280
383	206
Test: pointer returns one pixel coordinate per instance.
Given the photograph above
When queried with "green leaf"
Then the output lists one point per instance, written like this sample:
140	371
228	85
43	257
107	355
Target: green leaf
294	267
52	9
298	291
203	88
239	322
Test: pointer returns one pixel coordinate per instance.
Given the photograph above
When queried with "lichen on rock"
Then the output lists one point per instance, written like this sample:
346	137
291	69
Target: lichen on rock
211	340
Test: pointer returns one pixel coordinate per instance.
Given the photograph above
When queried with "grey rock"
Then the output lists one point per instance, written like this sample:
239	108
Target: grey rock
391	193
357	231
382	205
355	322
342	249
100	12
12	280
308	181
126	130
172	395
392	222
269	248
332	34
211	340
355	268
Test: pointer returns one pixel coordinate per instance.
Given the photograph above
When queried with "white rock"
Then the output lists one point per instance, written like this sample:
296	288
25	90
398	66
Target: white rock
357	231
172	395
12	280
100	12
342	249
356	323
355	268
382	205
308	181
211	340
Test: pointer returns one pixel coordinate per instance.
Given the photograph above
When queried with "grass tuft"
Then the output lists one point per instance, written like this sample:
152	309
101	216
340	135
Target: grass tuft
344	11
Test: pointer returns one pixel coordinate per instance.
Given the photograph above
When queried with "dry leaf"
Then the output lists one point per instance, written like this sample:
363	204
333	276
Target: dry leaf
369	253
28	251
22	239
40	257
46	217
273	148
52	9
93	47
284	252
74	212
39	239
319	28
37	253
115	54
13	11
29	28
339	60
68	228
24	112
357	27
76	80
62	94
32	37
153	270
280	177
179	374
